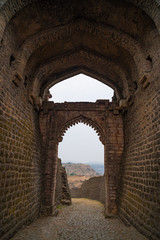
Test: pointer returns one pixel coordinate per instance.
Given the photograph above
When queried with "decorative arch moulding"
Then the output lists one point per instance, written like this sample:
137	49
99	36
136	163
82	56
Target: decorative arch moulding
86	121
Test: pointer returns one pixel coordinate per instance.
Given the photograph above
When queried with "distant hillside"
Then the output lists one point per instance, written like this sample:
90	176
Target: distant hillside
74	169
98	168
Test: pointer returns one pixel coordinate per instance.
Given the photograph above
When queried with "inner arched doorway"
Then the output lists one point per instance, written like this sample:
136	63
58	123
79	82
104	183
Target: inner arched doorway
102	116
80	88
81	144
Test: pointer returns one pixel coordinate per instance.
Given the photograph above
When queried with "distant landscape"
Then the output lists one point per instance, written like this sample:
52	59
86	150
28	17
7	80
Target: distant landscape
79	169
78	173
98	167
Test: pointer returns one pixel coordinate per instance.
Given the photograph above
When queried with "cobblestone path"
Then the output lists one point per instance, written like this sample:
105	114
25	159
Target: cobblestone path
83	220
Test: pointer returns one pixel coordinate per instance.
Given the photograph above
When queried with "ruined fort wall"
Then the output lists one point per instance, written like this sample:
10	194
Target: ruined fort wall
140	189
20	160
62	191
20	175
94	188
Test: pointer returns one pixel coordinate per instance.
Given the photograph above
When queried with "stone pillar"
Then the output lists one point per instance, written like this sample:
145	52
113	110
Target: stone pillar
50	179
50	149
110	203
113	149
106	179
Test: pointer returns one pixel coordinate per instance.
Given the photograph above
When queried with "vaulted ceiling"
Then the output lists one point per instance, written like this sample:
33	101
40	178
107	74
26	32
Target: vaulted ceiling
113	41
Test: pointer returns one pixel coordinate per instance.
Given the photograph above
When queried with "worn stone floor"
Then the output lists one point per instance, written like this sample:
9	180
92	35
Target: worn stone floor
84	219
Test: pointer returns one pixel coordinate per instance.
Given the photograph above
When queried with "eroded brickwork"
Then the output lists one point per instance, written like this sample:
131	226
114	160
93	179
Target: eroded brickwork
20	164
62	192
140	192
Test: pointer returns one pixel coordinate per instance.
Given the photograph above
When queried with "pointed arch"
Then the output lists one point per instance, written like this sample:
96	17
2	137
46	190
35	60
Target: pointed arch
86	121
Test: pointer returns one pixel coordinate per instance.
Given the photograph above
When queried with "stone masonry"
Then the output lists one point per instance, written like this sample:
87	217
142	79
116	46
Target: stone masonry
45	42
62	192
102	116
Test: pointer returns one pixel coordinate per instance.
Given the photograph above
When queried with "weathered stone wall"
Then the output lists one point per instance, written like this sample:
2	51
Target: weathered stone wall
62	194
94	188
140	191
20	141
20	176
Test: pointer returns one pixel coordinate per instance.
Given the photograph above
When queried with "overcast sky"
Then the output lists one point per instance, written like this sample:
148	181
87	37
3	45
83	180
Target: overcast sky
80	143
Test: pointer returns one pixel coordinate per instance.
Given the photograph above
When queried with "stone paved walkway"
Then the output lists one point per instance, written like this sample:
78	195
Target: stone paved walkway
84	219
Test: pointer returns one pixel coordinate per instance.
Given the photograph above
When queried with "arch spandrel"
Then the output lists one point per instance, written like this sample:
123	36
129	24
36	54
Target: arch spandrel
84	120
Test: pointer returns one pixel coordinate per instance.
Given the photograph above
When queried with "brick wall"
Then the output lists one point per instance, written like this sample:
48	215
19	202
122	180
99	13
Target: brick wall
20	175
140	191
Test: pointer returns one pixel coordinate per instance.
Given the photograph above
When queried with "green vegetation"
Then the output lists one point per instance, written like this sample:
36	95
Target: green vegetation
61	206
73	174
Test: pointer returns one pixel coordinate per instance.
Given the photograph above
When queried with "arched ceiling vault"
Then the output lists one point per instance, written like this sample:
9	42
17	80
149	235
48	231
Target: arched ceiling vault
86	29
114	56
62	67
9	8
108	39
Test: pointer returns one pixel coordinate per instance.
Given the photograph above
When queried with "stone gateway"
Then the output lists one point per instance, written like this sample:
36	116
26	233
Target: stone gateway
106	119
45	42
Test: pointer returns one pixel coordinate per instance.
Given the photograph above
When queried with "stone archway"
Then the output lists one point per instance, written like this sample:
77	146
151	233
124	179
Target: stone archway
85	120
117	42
102	116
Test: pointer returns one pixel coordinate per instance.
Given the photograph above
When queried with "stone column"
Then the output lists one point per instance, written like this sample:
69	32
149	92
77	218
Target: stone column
113	149
106	179
49	168
50	180
110	204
